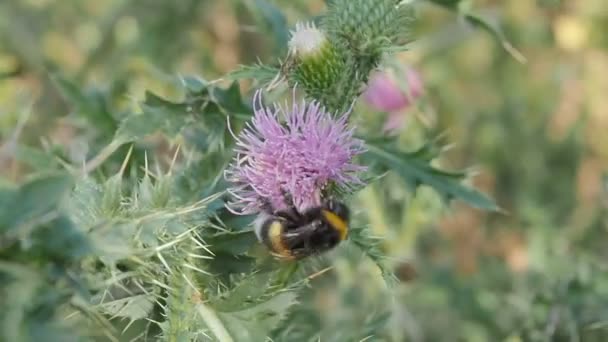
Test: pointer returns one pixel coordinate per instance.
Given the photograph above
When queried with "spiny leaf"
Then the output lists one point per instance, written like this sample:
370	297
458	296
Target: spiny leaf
370	246
415	170
194	84
158	115
34	199
230	99
88	105
248	292
132	307
36	158
257	322
59	240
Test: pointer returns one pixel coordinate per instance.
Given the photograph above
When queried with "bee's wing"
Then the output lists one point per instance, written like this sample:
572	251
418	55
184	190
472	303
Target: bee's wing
300	235
298	240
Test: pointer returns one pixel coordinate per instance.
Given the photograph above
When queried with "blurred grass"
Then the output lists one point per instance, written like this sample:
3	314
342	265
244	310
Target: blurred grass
535	131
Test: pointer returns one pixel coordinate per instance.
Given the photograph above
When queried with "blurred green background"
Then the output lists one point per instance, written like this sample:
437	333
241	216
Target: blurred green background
534	130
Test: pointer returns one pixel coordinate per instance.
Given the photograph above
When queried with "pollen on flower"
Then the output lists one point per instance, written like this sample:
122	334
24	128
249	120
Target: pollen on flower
306	40
289	154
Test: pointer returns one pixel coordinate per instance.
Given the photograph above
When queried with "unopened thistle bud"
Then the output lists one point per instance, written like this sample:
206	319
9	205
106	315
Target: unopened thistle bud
369	25
316	62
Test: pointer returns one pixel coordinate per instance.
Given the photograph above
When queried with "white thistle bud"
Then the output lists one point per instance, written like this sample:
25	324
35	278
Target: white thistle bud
306	40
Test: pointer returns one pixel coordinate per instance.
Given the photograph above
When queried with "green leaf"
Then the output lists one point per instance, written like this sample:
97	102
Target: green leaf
137	126
225	264
158	115
59	240
414	168
132	307
232	243
113	241
201	177
249	291
194	84
259	72
253	308
83	204
36	158
33	199
371	247
88	105
256	323
230	99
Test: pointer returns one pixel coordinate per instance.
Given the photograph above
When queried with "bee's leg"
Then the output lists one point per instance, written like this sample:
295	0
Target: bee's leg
266	206
291	212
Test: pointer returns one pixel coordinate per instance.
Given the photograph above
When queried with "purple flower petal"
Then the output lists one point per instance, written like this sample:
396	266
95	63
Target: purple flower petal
384	94
294	152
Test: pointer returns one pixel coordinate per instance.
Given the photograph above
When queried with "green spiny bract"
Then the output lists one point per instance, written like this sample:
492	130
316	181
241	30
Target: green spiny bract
368	27
350	43
317	64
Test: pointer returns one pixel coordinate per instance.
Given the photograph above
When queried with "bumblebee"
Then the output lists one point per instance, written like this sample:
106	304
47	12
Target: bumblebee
292	235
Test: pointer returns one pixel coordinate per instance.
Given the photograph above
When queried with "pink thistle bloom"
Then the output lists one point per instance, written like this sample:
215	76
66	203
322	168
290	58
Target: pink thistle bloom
293	152
384	94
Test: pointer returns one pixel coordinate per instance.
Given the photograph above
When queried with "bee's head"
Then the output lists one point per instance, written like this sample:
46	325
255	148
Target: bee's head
338	208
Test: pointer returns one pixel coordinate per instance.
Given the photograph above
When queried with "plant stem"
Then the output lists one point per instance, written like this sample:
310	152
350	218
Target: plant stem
213	323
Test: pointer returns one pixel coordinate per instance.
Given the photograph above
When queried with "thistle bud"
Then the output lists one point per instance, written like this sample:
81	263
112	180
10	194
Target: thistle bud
369	25
394	94
307	40
317	64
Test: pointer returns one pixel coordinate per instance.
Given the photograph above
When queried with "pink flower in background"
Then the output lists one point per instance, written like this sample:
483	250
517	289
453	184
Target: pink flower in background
385	94
291	151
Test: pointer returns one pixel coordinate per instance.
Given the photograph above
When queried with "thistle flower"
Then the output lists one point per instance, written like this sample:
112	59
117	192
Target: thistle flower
291	154
383	93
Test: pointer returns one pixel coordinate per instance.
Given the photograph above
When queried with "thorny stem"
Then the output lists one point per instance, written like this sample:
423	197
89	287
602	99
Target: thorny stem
213	323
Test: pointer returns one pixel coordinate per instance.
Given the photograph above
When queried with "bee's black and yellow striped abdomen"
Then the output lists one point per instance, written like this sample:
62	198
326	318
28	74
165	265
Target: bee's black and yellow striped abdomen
291	235
271	234
337	223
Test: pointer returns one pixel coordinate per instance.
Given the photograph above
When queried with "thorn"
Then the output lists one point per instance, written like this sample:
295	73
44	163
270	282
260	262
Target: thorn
174	159
164	286
196	269
321	272
164	262
201	245
190	283
198	256
123	167
128	326
146	169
